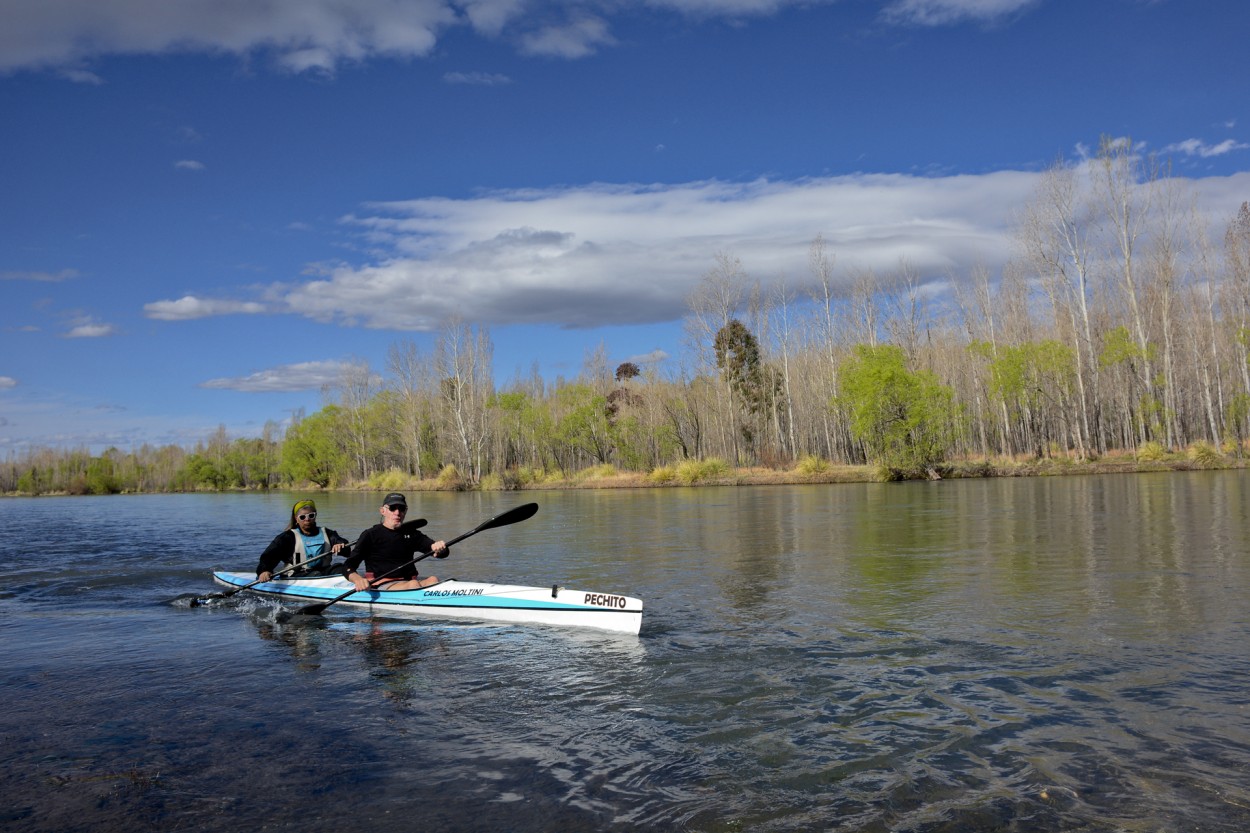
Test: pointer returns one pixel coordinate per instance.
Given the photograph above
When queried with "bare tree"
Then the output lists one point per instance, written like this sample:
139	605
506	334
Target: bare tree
716	300
463	358
1125	187
356	387
416	388
1054	238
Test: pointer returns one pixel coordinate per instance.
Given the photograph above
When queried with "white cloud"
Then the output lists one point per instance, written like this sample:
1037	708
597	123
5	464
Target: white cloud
618	255
285	378
189	165
189	307
946	12
1197	147
303	34
90	328
604	255
607	255
7	382
321	35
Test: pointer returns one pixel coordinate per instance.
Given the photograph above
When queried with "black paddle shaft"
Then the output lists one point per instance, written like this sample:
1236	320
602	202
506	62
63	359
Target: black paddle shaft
407	526
512	516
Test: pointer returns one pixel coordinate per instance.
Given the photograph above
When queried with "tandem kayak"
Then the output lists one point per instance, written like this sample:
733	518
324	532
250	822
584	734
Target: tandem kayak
462	600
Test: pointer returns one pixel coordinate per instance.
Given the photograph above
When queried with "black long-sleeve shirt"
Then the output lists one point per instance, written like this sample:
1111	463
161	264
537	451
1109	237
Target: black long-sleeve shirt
382	550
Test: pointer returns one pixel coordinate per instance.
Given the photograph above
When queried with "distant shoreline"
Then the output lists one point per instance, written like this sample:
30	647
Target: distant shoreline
607	478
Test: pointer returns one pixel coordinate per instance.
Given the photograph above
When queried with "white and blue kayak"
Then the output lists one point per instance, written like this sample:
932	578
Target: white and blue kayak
461	600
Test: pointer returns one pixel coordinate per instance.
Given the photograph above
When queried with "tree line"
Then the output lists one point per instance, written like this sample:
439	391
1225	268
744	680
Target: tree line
1121	322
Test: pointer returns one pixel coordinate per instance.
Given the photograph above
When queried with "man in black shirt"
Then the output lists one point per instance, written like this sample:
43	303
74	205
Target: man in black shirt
383	548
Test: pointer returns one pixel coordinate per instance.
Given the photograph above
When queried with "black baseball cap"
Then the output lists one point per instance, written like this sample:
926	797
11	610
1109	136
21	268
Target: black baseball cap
395	499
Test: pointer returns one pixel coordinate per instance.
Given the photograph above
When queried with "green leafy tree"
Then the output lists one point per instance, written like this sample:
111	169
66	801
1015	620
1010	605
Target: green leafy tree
100	476
313	451
738	358
755	387
904	419
200	471
583	422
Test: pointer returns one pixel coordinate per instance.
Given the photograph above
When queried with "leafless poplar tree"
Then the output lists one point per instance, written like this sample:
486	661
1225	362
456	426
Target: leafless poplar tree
463	358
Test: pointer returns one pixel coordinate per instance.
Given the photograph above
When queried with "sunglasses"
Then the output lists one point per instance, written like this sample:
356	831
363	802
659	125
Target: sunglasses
398	508
306	516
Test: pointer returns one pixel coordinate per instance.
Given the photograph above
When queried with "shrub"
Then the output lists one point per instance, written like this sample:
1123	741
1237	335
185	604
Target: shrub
599	472
697	471
812	464
1152	451
391	480
1204	454
449	478
663	475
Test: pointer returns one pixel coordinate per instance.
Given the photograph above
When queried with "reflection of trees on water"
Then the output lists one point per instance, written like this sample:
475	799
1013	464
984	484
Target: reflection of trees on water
302	639
393	654
758	540
391	651
897	547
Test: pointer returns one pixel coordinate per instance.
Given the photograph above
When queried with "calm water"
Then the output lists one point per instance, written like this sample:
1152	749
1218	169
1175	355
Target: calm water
1026	655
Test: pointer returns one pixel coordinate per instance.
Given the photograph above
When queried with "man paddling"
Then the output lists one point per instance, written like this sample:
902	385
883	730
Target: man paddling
386	550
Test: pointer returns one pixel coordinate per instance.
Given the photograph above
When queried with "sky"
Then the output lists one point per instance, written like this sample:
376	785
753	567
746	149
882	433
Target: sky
209	208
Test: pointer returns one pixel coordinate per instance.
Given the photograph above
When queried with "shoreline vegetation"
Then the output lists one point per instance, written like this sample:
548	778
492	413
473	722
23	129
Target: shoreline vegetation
715	472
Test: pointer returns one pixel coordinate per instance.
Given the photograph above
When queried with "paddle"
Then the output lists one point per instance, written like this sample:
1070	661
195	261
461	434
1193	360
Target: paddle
512	516
407	526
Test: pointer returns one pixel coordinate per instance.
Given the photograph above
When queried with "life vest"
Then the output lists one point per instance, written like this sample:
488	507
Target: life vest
312	552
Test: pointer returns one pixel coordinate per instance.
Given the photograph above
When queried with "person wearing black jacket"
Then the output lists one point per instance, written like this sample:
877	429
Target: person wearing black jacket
302	545
383	548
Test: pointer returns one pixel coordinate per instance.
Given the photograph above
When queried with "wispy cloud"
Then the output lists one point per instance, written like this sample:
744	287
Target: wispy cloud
41	277
189	307
82	76
7	382
1197	147
1125	143
189	165
37	418
477	79
285	378
946	12
654	357
571	40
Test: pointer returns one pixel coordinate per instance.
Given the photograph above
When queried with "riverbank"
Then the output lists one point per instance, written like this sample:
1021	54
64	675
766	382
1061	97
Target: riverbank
716	472
808	471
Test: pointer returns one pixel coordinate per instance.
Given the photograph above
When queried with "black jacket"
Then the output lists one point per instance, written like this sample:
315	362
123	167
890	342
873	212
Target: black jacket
282	549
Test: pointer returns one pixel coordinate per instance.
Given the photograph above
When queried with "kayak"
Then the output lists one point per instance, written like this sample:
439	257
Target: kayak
461	600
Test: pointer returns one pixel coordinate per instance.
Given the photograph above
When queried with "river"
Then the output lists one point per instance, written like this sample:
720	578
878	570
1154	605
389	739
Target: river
1034	654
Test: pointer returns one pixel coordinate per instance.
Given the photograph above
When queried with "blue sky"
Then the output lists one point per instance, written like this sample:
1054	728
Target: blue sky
208	207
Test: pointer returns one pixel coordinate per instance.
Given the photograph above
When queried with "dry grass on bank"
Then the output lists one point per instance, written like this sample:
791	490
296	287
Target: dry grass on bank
810	470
